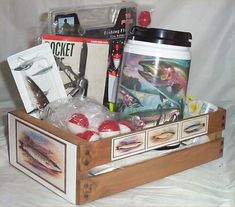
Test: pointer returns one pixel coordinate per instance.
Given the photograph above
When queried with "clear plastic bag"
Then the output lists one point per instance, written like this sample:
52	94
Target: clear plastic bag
88	119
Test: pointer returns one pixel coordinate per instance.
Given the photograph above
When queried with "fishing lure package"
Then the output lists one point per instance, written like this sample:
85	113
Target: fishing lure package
110	21
37	77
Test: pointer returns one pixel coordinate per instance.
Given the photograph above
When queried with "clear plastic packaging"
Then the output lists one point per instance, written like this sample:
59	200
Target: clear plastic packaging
195	106
87	20
104	21
88	119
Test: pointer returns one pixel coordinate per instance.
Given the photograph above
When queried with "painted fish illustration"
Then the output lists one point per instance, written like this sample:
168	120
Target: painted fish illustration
39	95
163	136
164	76
128	98
125	147
45	161
149	66
194	128
151	115
156	82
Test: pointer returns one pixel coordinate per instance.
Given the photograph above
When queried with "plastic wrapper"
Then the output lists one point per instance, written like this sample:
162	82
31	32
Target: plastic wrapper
88	119
87	20
107	21
194	107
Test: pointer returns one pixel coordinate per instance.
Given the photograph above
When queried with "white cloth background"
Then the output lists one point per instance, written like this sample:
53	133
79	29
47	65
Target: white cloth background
212	24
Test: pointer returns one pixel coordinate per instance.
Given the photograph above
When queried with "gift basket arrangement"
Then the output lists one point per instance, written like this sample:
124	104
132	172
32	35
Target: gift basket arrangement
102	88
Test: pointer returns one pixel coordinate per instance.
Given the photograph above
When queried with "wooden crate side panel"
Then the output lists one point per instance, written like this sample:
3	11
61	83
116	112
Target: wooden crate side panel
94	154
49	127
217	121
29	144
131	176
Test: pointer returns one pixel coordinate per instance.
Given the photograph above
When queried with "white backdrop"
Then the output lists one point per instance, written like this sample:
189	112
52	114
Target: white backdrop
212	24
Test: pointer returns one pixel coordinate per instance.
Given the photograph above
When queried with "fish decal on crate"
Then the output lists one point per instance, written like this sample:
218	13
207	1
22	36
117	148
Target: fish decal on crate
194	128
164	136
38	156
128	144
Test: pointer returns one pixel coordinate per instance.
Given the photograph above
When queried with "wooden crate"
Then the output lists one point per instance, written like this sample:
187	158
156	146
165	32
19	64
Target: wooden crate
33	142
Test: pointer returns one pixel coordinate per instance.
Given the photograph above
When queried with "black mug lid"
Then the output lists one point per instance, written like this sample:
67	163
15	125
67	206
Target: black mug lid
161	36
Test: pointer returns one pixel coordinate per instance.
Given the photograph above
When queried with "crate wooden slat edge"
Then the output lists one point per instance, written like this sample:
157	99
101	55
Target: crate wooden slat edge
95	187
100	151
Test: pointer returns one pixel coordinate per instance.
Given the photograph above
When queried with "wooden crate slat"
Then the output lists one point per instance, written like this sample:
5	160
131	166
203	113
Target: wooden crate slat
94	154
131	176
100	151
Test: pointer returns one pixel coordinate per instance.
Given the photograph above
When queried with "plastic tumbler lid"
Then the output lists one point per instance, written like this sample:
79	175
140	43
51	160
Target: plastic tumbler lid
161	36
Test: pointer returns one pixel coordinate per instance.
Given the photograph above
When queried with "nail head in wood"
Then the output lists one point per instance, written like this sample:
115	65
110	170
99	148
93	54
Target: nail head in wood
86	162
87	152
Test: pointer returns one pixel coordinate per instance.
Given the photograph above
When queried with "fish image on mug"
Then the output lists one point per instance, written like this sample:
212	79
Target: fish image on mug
160	136
42	155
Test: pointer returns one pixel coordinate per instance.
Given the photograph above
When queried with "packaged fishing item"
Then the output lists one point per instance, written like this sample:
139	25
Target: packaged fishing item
107	21
88	119
154	75
37	78
81	59
195	107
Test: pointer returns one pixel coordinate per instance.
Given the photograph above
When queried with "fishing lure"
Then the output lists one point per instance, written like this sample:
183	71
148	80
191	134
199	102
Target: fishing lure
40	97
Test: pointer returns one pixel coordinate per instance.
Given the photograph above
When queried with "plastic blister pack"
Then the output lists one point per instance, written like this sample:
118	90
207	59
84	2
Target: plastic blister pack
108	21
87	20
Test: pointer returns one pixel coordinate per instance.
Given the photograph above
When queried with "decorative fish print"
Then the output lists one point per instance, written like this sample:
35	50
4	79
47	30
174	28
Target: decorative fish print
164	76
39	95
128	98
125	147
163	136
194	128
45	161
149	66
